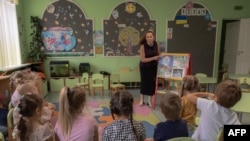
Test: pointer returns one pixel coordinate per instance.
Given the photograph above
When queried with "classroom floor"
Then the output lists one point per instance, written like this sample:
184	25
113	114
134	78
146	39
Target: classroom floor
54	96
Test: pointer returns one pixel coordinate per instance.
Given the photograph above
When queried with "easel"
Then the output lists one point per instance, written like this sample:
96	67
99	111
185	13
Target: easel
176	62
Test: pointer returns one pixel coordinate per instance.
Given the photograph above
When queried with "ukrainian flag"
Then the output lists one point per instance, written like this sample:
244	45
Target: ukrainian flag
181	20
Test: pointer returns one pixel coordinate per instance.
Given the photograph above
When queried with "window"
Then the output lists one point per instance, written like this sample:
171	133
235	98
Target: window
9	40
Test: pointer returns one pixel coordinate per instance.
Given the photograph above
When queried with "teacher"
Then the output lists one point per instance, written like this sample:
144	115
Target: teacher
149	55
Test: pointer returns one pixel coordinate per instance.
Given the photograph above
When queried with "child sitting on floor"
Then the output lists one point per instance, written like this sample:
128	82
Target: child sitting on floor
124	128
174	126
47	108
215	110
190	84
73	124
29	127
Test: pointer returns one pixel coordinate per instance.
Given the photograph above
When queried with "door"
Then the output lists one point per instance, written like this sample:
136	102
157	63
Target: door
237	50
242	64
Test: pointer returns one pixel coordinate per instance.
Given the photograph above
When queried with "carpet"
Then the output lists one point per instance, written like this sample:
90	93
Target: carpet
100	110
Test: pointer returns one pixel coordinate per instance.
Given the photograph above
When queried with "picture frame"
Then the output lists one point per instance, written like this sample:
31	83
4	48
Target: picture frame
178	72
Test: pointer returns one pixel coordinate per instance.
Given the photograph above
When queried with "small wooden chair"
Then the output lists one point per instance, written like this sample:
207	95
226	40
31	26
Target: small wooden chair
115	84
97	83
199	76
84	82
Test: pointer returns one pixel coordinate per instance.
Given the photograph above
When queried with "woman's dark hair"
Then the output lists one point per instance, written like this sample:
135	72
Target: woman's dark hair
27	107
121	104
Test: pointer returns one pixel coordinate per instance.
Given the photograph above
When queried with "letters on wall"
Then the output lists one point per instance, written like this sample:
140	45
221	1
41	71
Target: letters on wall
193	31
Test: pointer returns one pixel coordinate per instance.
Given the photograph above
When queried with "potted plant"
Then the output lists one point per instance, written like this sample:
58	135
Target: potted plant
36	53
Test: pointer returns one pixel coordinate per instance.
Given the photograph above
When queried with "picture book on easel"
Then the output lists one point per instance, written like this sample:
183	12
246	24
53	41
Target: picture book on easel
173	65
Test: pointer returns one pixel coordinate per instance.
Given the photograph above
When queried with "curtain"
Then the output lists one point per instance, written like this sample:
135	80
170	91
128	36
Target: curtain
14	1
9	40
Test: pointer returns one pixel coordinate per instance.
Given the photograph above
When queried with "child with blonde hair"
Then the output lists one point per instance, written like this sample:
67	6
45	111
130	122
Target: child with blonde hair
29	127
190	84
73	124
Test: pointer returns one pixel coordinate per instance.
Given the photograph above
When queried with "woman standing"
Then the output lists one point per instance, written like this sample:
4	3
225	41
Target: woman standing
149	55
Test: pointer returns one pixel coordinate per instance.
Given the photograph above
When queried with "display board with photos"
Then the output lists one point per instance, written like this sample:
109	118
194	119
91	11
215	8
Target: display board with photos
173	65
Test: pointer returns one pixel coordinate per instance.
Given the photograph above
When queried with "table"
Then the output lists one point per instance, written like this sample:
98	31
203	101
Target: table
235	77
243	105
208	81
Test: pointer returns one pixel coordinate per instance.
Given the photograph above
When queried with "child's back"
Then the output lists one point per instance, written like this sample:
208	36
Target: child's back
29	127
216	113
73	124
190	84
124	128
174	126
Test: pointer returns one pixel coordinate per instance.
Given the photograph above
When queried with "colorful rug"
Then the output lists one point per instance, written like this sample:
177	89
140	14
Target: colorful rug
100	110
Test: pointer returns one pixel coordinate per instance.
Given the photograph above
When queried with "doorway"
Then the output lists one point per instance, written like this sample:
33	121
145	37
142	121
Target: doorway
222	46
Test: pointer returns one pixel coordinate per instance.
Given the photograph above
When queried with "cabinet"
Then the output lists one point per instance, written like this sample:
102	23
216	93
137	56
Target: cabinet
237	47
56	83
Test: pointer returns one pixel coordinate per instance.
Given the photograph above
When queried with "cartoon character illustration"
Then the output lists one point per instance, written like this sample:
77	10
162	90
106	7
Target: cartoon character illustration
59	39
130	8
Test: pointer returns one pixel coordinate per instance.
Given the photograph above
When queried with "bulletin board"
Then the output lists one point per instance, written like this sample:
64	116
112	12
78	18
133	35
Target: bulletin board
174	65
193	31
122	31
66	31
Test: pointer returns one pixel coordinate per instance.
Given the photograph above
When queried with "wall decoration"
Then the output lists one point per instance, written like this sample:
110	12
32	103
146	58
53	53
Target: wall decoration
163	47
98	50
193	31
66	31
98	37
123	30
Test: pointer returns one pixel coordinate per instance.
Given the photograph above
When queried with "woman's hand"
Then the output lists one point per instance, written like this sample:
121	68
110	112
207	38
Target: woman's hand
157	57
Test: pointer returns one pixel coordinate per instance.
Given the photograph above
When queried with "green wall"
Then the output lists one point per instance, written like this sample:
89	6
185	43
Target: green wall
161	10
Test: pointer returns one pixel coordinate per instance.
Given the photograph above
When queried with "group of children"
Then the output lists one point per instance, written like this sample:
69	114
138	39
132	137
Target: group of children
32	114
180	111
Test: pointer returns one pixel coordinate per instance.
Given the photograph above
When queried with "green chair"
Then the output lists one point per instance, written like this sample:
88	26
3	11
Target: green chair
84	82
97	83
199	76
181	139
225	76
1	137
115	84
220	135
